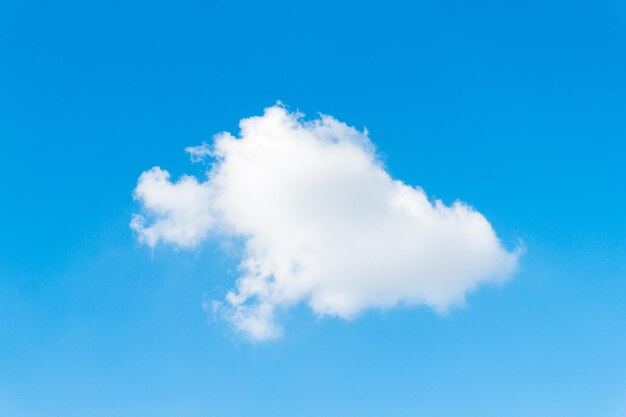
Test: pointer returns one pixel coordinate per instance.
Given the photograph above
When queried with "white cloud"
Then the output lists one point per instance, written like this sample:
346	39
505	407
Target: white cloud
322	222
199	153
182	211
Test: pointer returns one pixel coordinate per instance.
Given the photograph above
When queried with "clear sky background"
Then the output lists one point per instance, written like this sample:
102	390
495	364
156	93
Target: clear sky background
518	108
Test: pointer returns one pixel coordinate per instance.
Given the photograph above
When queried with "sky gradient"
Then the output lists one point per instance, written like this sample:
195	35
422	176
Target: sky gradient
516	109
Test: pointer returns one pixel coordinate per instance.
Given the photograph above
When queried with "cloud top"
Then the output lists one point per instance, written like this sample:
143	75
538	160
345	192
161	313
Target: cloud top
321	222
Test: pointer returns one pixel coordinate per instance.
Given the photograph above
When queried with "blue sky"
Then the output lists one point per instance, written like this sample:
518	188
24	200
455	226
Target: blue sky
517	109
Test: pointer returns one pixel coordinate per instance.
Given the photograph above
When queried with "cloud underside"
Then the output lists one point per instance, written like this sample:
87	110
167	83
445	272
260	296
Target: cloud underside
321	222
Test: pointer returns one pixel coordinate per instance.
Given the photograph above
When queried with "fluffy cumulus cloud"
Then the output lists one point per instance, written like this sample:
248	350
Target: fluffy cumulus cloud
321	222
